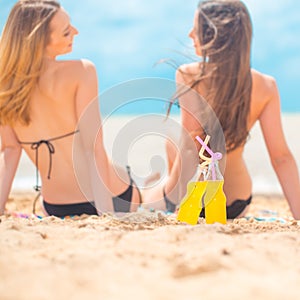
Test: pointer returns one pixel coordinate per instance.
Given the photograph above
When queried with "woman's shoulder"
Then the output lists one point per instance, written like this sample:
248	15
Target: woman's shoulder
63	77
264	90
264	86
263	81
187	73
191	68
76	67
70	72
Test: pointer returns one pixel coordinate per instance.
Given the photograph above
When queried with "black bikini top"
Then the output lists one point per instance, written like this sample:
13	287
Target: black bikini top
35	146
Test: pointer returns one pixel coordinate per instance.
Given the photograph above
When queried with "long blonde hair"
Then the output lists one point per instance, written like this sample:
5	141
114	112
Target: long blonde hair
22	45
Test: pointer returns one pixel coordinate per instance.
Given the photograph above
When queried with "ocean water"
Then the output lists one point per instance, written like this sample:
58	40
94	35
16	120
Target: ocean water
127	40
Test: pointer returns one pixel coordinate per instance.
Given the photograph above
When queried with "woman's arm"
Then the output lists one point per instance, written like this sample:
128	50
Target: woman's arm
184	159
281	157
10	153
91	134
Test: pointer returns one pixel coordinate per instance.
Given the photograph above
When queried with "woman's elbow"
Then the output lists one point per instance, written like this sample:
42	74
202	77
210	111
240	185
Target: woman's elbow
281	159
14	152
10	146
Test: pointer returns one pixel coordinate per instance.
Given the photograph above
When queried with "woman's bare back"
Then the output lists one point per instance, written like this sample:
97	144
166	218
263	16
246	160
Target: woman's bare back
237	180
53	114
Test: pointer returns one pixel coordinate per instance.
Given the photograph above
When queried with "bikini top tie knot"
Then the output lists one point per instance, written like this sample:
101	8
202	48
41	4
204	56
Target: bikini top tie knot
36	145
50	146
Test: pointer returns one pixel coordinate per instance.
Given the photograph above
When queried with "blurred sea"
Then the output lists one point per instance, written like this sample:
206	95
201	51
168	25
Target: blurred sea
126	40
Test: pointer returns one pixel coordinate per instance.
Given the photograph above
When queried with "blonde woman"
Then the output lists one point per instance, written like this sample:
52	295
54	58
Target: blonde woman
46	104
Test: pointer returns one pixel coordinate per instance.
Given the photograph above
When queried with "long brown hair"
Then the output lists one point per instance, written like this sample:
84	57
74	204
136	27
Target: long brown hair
225	33
23	41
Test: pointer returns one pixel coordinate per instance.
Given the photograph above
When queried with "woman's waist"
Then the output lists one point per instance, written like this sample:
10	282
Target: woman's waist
237	179
237	185
65	192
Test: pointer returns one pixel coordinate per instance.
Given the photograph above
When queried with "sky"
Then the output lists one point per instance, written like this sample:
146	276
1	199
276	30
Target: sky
127	39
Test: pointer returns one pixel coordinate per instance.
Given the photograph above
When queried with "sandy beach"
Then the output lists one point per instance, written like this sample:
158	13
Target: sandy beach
150	256
147	255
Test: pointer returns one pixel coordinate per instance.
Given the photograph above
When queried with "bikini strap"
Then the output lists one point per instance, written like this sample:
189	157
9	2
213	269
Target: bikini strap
36	145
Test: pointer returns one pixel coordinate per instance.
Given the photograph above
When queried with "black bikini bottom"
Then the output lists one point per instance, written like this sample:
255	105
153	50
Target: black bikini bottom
121	203
233	210
76	209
